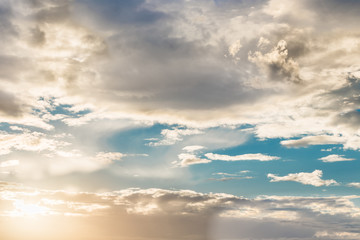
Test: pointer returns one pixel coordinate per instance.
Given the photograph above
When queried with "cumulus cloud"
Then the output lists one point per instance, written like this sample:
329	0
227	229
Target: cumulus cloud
313	178
277	64
335	158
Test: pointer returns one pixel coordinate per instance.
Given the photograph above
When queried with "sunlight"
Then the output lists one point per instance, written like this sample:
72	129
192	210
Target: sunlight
28	210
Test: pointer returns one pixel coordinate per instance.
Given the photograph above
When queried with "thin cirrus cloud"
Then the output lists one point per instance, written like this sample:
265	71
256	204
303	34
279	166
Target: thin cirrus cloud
306	178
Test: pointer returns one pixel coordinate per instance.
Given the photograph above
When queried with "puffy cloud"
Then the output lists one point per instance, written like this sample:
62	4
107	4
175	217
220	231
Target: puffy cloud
28	141
313	178
277	64
335	158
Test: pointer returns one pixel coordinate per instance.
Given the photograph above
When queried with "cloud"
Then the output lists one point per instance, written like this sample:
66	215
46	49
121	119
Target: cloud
192	148
148	60
276	64
231	176
313	178
9	104
190	158
244	157
171	136
337	235
28	141
335	158
354	184
313	140
187	159
177	213
108	157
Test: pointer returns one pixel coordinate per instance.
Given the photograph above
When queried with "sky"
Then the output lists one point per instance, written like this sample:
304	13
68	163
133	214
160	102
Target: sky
179	119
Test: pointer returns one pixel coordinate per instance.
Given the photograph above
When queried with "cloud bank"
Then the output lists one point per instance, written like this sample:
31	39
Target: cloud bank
181	214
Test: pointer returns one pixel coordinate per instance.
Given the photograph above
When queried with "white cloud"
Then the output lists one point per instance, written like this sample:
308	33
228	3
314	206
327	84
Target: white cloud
335	158
234	48
171	136
244	157
313	178
28	141
109	157
187	159
192	148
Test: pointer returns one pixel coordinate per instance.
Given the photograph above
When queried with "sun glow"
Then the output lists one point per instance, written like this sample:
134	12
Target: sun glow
28	210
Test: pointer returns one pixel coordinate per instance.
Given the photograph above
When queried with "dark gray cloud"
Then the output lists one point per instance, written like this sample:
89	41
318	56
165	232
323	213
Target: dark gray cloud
112	14
9	104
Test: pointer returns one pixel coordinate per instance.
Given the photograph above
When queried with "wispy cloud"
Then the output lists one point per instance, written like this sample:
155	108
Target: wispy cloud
171	136
191	158
354	184
335	158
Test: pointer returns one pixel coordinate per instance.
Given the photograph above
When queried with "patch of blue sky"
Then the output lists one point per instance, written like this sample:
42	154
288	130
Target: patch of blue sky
135	139
293	160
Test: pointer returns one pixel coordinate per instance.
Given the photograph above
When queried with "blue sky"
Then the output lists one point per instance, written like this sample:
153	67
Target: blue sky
197	119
